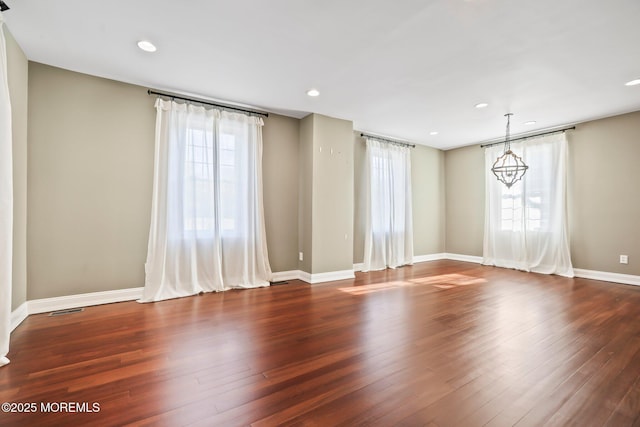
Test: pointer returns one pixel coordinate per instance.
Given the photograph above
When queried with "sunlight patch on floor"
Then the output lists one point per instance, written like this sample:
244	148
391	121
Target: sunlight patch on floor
442	281
450	280
374	287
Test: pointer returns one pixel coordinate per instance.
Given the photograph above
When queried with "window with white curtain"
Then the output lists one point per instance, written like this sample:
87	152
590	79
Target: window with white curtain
229	182
198	214
202	167
530	211
526	225
389	231
207	224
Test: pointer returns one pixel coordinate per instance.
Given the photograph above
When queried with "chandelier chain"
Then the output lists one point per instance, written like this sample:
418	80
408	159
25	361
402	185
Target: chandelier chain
507	141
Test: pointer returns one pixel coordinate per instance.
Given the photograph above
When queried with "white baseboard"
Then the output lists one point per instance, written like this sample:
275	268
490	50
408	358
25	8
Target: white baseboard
430	257
45	305
285	275
464	258
304	276
330	276
626	279
313	277
19	314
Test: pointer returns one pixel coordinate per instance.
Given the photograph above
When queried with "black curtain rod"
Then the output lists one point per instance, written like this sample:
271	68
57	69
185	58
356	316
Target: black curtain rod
200	101
529	136
391	141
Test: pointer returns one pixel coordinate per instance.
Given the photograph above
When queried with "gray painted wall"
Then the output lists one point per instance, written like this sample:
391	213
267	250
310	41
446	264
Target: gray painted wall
428	188
604	200
305	187
280	185
332	203
326	194
90	179
464	177
359	204
17	75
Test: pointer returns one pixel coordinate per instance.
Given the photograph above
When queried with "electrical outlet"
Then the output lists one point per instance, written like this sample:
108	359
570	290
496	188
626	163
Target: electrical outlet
624	259
300	256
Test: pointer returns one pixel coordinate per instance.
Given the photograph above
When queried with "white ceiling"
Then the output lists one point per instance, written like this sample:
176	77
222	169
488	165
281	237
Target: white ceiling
401	69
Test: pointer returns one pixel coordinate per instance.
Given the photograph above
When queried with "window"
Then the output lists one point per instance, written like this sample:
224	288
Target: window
530	211
525	225
207	222
198	209
203	178
389	235
228	182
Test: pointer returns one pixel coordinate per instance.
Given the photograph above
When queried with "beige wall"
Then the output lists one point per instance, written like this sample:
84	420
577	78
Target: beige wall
332	204
280	185
604	200
90	180
428	188
427	185
17	72
464	189
326	194
604	207
359	205
305	188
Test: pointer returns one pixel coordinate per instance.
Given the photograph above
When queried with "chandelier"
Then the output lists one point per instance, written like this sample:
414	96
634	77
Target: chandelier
509	168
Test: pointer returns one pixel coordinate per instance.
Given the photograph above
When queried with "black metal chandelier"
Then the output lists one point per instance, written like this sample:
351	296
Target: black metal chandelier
509	168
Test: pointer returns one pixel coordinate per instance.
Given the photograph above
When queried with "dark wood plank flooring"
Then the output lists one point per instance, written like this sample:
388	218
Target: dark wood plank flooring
441	343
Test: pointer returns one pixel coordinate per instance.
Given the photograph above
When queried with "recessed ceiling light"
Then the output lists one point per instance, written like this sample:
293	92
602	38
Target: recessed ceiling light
482	105
147	46
433	133
633	82
313	92
530	122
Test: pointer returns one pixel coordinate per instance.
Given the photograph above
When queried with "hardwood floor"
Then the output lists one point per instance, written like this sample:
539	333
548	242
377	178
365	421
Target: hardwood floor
441	343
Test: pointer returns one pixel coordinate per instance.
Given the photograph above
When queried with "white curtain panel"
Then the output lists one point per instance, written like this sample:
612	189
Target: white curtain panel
389	226
207	226
6	203
526	225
